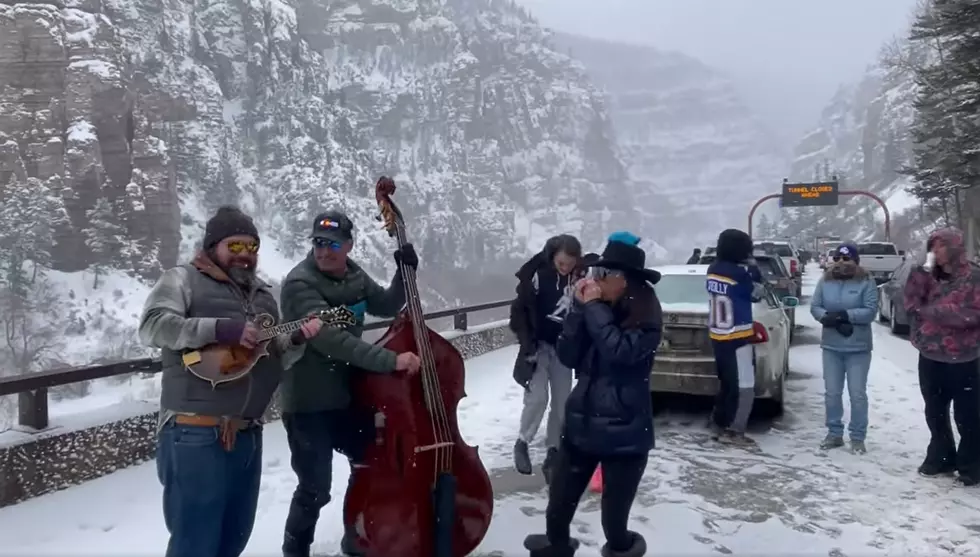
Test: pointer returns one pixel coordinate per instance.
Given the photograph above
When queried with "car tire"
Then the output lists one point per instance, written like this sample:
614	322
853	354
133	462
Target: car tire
772	408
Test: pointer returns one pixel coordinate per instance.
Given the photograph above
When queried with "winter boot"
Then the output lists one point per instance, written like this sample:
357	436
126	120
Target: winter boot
831	442
539	546
736	438
968	479
931	469
549	464
522	458
858	447
638	549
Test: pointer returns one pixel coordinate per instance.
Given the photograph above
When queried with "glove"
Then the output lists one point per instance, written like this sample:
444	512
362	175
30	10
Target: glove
831	319
228	331
845	329
406	256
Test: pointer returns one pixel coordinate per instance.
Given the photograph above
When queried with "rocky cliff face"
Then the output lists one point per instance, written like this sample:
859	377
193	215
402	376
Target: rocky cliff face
862	137
145	115
698	156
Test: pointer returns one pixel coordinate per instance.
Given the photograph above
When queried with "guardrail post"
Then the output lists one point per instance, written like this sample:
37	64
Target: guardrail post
459	321
33	409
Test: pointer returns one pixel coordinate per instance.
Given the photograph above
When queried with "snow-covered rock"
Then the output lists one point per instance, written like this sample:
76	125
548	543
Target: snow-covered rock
697	155
163	111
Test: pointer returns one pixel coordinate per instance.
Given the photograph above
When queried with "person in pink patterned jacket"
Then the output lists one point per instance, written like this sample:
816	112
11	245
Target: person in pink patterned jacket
943	303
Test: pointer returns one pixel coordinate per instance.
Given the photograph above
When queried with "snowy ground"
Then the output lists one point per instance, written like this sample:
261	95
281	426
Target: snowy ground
696	498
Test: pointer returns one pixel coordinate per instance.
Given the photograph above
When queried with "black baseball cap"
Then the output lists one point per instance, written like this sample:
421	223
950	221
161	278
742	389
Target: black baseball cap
333	225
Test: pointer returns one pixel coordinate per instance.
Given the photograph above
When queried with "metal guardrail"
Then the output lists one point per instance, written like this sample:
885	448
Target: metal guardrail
32	388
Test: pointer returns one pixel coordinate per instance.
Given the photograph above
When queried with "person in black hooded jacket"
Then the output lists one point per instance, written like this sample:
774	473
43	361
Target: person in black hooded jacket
544	297
610	339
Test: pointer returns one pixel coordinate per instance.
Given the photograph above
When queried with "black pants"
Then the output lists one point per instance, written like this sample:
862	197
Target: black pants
313	437
572	472
959	384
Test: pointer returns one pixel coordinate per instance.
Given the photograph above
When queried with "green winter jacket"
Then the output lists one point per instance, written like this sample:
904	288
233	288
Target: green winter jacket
320	379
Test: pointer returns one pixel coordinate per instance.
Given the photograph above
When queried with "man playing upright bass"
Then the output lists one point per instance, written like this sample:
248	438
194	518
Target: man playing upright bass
316	393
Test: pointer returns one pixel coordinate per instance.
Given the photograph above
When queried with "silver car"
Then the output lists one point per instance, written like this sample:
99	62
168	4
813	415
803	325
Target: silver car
685	362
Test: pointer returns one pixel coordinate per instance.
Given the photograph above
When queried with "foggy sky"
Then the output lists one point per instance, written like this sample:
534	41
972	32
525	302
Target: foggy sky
787	56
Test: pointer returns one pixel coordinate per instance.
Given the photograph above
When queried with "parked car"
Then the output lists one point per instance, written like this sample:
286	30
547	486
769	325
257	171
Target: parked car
826	258
777	275
891	306
786	252
881	259
685	362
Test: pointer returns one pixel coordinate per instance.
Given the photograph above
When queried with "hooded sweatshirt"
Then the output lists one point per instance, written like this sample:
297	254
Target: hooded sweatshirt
944	307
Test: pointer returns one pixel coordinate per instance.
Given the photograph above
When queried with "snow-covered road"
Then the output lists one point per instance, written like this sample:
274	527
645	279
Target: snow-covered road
696	497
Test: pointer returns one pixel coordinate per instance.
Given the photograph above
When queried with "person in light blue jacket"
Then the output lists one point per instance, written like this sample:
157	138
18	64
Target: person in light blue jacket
845	302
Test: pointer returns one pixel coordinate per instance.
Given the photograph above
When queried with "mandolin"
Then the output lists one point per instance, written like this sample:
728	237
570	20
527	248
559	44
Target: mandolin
218	363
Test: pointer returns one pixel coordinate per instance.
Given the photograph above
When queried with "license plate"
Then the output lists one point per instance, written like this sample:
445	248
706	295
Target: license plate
686	339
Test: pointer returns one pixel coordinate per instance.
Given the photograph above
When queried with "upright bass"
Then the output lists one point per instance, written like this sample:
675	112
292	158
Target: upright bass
420	491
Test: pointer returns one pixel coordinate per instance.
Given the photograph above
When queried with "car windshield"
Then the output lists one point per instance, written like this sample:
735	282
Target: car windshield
782	250
709	251
877	249
682	289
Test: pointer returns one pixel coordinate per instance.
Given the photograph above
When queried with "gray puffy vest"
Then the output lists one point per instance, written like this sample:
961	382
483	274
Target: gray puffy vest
248	397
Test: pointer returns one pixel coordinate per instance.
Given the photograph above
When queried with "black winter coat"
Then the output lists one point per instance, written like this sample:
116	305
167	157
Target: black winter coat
524	315
523	318
609	411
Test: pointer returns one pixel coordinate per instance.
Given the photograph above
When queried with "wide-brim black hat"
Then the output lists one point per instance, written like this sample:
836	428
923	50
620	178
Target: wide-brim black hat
627	258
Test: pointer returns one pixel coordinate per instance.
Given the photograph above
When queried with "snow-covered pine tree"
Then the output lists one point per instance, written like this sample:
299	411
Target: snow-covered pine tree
945	128
29	213
104	236
765	228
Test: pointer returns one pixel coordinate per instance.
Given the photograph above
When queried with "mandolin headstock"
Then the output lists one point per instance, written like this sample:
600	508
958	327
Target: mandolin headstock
338	316
391	215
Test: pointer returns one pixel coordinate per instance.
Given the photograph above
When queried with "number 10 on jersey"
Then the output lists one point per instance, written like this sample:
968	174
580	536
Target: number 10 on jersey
720	312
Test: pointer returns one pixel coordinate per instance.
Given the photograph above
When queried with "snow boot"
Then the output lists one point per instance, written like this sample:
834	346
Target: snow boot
858	447
549	464
932	469
968	479
638	549
539	546
831	442
522	458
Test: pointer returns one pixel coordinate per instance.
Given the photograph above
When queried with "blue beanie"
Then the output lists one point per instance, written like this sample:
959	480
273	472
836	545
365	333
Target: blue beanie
848	249
624	237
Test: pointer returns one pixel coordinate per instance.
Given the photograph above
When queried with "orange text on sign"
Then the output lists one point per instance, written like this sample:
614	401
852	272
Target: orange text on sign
810	192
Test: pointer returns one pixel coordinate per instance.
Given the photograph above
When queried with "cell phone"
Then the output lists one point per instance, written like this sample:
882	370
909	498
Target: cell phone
930	261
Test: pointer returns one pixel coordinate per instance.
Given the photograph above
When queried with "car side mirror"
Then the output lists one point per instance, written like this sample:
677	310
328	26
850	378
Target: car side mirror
791	301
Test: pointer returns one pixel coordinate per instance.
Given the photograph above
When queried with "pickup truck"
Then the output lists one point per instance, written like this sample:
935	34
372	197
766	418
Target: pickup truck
880	259
787	253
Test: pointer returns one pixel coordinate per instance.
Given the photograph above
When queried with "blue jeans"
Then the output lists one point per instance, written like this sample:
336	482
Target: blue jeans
210	495
852	368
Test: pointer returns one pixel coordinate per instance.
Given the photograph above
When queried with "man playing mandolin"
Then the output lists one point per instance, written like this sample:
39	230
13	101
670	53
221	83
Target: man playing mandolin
316	394
209	452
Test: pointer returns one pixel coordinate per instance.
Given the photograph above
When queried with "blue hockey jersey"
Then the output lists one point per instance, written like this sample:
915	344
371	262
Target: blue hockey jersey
730	288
